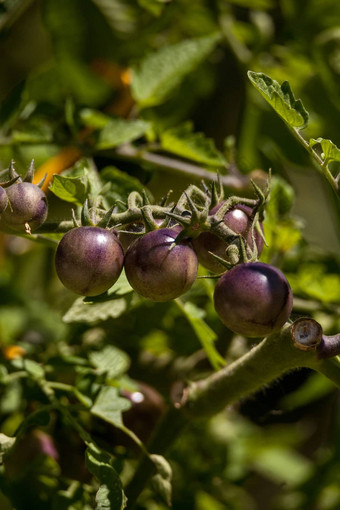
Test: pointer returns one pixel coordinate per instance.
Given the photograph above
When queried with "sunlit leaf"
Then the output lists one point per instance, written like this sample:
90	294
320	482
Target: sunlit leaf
70	189
281	98
330	152
184	142
109	406
154	6
32	367
91	313
94	118
204	333
111	360
110	305
119	131
6	443
314	281
160	72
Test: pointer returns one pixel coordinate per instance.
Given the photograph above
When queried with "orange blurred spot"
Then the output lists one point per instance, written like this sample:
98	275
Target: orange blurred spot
109	71
14	352
120	80
126	77
66	158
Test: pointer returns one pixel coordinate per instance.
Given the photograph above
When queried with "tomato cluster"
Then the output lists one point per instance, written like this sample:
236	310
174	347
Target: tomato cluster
252	298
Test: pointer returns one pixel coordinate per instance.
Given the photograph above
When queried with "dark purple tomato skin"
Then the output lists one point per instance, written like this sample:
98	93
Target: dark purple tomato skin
126	238
3	199
27	203
238	220
157	273
253	299
89	260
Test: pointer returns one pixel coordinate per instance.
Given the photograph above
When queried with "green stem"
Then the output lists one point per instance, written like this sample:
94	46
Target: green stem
176	166
265	362
169	428
330	369
322	164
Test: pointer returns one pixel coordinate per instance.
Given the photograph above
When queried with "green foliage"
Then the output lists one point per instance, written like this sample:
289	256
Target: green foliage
6	443
109	406
110	494
281	98
70	189
139	89
110	360
183	142
204	333
330	152
120	131
162	479
159	73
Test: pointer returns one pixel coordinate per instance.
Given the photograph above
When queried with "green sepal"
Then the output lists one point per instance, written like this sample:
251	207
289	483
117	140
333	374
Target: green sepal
104	222
41	182
85	215
30	173
11	171
10	182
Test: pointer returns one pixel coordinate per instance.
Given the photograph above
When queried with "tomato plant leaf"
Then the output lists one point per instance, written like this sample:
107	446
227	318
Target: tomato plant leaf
121	184
109	406
281	98
119	131
70	189
160	72
184	142
93	118
33	368
111	360
110	495
255	4
161	481
6	443
116	301
313	281
330	152
91	313
204	333
154	6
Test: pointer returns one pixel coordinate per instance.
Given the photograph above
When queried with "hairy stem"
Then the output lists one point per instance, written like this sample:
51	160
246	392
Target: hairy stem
265	362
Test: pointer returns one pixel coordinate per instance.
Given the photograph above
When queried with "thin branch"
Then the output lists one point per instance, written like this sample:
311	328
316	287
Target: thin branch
322	166
129	152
